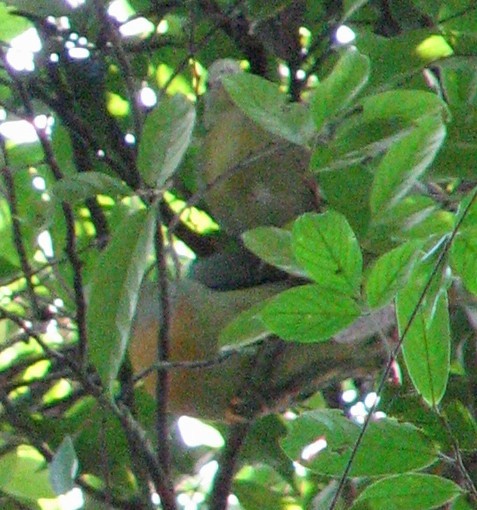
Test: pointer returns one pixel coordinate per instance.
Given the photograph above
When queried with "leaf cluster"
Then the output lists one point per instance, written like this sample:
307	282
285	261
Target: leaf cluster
108	187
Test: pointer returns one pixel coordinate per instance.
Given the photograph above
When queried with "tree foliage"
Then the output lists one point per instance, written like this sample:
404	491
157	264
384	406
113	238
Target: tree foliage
372	290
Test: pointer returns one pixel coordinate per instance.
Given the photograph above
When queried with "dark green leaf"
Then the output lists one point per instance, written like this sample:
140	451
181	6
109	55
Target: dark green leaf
254	496
165	138
82	186
114	291
464	258
309	313
340	88
265	104
404	105
462	424
347	192
263	10
42	8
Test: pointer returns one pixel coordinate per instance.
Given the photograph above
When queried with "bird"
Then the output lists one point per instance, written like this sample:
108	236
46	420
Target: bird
266	376
198	314
252	177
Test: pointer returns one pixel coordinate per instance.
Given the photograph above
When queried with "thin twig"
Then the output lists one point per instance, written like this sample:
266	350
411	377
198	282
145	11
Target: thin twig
18	239
458	459
124	65
163	346
70	248
227	465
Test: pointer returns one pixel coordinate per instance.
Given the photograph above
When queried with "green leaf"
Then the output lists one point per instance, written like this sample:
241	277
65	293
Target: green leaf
29	480
405	105
462	424
404	164
395	59
389	273
464	258
414	217
113	294
309	313
64	467
341	87
85	185
326	247
100	442
266	105
385	119
246	328
322	441
165	138
357	141
347	192
274	246
426	347
253	496
467	212
10	24
416	491
260	10
8	463
42	8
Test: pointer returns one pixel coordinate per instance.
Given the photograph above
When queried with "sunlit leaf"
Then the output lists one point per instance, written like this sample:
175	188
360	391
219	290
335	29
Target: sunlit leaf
326	247
426	346
405	105
389	273
247	328
29	467
274	246
404	164
11	25
339	89
309	313
396	58
418	491
322	441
